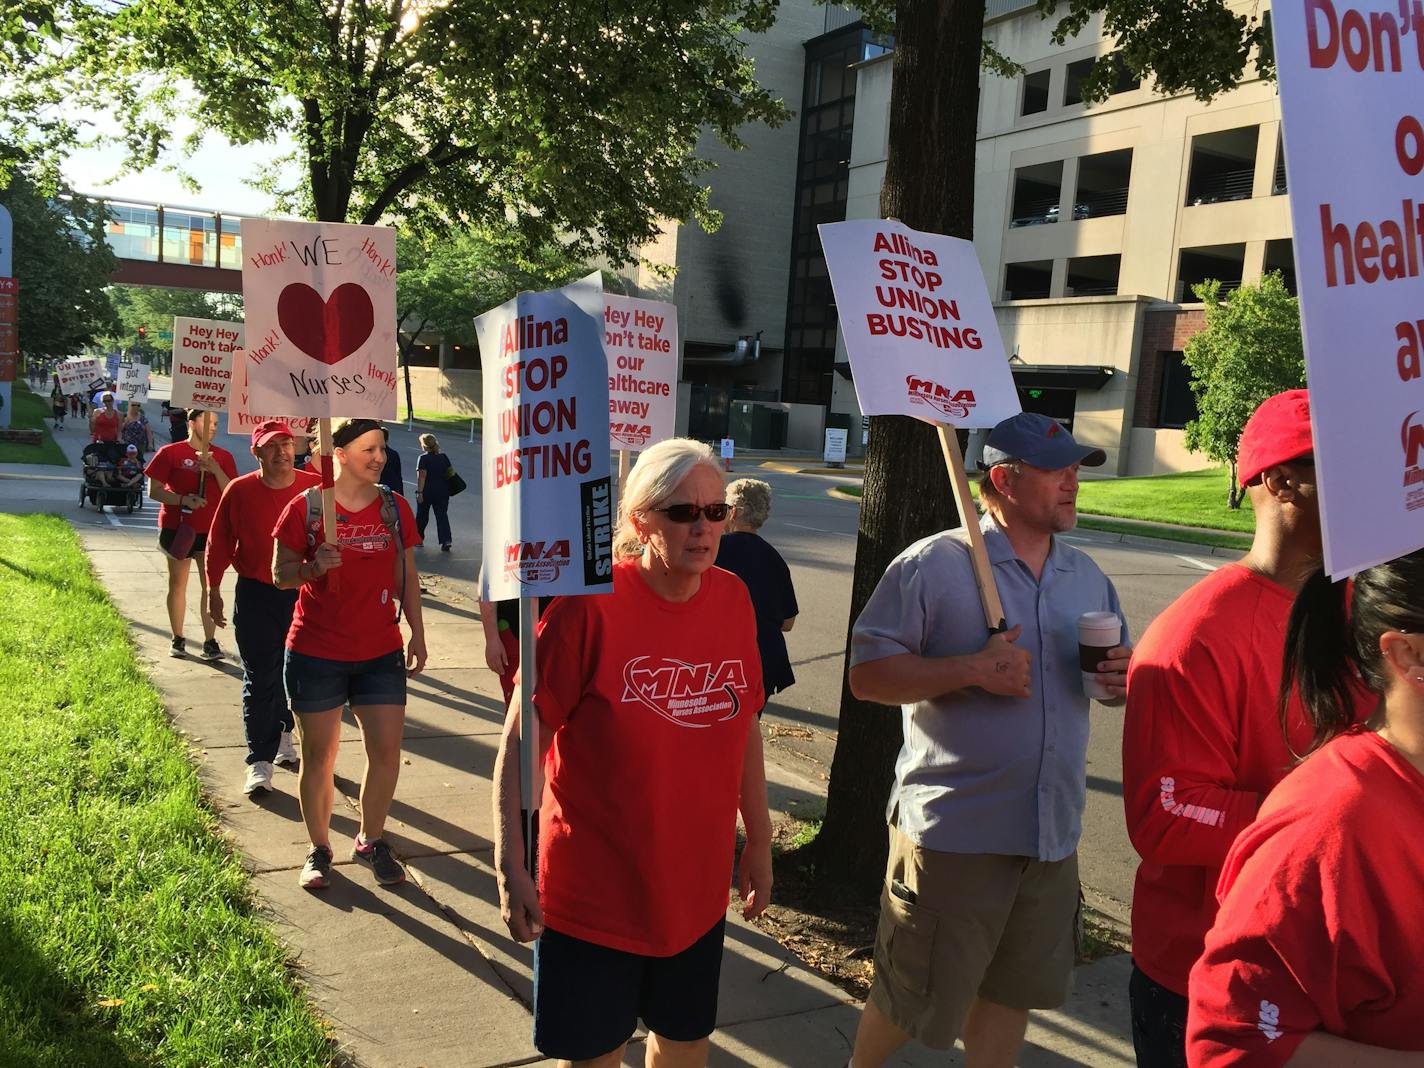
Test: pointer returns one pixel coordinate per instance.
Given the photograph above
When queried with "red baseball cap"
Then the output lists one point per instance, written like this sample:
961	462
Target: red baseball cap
1277	432
265	431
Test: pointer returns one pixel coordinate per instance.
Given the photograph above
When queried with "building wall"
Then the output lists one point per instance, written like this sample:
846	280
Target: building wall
1127	332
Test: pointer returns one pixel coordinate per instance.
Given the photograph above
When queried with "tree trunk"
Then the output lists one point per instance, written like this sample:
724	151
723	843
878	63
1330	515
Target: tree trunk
1235	493
929	185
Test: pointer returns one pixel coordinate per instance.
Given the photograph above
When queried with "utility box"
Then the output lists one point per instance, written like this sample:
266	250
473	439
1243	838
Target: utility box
756	425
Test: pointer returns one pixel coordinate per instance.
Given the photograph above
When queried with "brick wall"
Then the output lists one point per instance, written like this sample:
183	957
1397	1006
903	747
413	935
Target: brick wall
1162	331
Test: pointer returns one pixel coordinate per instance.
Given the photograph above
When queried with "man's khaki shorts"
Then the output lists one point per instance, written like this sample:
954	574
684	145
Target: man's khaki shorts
1000	928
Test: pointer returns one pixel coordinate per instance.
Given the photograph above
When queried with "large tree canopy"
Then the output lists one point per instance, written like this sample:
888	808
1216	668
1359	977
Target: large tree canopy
1201	47
575	120
63	265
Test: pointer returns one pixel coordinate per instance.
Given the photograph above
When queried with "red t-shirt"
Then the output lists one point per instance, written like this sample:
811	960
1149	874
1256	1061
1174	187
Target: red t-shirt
1320	927
650	702
106	424
1202	745
241	534
353	618
176	467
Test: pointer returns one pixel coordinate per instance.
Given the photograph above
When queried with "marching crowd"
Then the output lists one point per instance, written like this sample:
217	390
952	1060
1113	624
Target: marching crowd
1273	752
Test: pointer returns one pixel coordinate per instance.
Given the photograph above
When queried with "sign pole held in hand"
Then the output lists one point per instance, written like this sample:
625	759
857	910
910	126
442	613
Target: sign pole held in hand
923	342
979	553
328	490
531	785
622	471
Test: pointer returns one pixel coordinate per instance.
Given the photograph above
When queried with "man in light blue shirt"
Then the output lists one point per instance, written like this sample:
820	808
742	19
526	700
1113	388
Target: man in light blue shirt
977	921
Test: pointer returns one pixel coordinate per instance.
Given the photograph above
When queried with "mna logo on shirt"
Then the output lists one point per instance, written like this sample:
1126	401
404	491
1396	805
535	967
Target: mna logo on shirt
1270	1021
690	695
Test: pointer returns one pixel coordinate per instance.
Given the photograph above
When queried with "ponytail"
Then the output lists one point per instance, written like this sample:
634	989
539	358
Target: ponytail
1319	661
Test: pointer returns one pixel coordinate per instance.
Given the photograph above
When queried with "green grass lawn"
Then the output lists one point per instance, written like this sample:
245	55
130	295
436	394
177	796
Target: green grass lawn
451	422
1193	499
31	411
128	933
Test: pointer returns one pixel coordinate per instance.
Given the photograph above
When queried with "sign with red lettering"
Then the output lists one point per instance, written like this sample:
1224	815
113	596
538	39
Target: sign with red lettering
548	500
202	362
1352	88
80	375
320	302
241	419
918	324
640	338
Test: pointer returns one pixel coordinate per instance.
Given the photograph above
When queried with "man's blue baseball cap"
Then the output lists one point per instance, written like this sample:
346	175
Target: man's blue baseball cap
1038	440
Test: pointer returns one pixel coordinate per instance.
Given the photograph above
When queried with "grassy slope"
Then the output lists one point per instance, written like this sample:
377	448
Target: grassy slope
30	413
1192	498
127	930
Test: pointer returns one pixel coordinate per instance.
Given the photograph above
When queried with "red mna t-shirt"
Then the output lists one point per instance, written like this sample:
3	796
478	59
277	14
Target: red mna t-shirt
106	425
650	702
241	534
353	618
176	468
1320	927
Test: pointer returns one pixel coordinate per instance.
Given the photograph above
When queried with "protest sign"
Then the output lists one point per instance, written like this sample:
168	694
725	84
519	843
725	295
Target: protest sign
133	384
82	375
320	302
111	366
241	419
923	341
203	362
640	338
1352	88
918	324
548	516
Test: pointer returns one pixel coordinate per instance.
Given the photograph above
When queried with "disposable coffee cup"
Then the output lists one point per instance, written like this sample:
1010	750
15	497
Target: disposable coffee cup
1097	633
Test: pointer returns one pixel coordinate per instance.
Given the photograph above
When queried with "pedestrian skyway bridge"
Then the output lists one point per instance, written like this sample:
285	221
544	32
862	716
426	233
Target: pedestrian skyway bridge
169	245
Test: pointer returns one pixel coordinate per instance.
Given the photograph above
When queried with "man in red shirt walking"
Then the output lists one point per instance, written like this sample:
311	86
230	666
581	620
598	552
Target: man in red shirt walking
241	535
1202	742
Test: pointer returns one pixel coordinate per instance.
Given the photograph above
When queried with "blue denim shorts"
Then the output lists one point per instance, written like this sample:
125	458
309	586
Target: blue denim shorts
315	684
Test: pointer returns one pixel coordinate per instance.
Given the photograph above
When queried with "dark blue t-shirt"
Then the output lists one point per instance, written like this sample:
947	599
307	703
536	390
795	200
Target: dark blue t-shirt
768	580
435	465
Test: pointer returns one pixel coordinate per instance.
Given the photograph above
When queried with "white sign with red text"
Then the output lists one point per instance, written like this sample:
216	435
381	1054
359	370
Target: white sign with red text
320	311
640	338
1352	88
79	375
241	418
918	324
202	362
548	499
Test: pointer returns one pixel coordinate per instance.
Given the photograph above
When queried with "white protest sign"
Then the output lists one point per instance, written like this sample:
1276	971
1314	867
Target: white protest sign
640	338
918	324
548	501
320	302
202	362
1352	88
835	450
133	384
241	419
79	375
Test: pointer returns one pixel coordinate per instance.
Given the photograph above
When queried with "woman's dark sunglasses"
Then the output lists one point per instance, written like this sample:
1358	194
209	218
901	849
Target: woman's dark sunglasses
688	513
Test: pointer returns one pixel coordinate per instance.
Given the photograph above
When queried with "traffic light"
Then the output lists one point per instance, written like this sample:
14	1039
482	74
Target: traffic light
142	333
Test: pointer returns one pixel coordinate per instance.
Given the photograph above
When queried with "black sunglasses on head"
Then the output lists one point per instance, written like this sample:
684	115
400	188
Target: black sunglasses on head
688	513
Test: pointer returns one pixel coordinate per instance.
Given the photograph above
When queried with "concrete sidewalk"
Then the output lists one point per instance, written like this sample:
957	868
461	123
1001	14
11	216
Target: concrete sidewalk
424	974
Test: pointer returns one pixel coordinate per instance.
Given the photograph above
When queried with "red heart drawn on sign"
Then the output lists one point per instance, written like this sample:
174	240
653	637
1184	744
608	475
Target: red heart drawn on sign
329	330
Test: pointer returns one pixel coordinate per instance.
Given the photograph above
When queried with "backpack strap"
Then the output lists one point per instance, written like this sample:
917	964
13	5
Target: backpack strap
313	496
391	517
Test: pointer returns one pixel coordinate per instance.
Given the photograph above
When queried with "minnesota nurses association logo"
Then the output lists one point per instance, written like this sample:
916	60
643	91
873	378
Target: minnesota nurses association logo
630	434
950	403
690	695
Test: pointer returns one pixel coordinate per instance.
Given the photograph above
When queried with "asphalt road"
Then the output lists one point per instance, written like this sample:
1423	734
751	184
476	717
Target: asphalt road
816	534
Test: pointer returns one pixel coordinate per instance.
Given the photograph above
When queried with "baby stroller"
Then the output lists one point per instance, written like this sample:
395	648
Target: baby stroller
106	466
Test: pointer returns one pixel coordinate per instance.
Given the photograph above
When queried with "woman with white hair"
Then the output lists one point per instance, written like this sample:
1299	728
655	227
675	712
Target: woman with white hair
748	556
647	700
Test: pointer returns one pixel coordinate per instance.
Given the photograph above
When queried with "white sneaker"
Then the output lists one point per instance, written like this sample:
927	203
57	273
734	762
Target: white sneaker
259	778
287	755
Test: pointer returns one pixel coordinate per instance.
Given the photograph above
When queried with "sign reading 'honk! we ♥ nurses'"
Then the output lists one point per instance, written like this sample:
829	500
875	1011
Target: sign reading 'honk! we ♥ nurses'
320	303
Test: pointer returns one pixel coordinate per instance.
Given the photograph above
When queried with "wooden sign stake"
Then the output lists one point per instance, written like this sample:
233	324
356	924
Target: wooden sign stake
978	551
622	471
